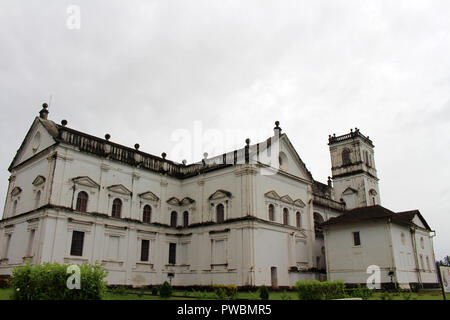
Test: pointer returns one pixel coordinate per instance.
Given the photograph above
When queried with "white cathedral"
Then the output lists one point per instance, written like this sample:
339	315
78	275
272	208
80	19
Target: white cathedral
248	217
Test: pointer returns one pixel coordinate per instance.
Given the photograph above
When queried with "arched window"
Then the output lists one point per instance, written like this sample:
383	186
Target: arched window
298	218
147	214
402	235
346	157
82	201
37	200
185	219
366	156
422	243
220	214
373	195
173	219
14	207
317	221
285	216
271	212
116	208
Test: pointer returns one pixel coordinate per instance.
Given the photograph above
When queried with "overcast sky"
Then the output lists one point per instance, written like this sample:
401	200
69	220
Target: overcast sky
142	70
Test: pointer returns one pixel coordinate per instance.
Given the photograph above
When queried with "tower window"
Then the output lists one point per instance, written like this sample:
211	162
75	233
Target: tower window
147	214
37	200
82	201
14	208
346	157
116	208
366	156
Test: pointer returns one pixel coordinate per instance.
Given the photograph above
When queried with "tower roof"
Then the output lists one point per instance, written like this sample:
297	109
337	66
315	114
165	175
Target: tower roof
333	139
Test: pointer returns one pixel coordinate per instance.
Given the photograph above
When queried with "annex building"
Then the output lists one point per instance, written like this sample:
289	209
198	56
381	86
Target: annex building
249	217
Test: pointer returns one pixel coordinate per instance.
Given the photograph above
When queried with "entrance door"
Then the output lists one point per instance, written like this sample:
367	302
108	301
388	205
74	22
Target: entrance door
273	277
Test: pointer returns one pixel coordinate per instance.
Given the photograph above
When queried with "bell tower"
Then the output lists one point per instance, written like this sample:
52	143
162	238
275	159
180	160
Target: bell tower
353	169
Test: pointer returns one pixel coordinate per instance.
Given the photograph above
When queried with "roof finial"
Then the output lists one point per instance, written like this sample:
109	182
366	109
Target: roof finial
44	112
164	155
107	136
277	129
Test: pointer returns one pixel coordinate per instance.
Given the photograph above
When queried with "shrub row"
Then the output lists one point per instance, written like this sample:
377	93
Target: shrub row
225	291
317	290
49	282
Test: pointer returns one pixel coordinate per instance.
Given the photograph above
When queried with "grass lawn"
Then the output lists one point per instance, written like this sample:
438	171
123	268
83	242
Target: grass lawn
5	294
142	294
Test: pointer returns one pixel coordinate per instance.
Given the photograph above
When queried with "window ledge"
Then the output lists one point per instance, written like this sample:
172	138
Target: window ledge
145	263
76	258
177	265
112	260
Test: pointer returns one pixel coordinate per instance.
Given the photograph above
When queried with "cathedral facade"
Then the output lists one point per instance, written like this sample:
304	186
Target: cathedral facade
248	217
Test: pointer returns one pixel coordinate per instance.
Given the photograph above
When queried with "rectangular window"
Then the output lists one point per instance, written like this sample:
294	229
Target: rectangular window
145	246
172	253
218	252
30	243
356	239
7	245
77	243
113	247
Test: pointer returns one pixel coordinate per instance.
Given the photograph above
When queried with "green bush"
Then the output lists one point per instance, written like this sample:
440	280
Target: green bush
361	292
154	291
118	290
264	293
166	290
225	291
4	283
385	295
316	290
49	282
